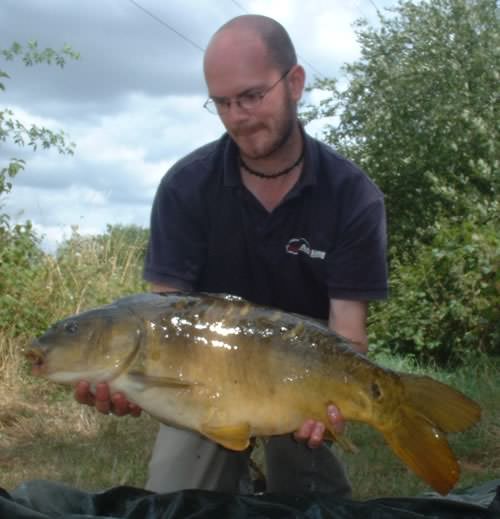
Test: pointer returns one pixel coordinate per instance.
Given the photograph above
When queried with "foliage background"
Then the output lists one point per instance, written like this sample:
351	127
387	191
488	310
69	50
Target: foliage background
421	114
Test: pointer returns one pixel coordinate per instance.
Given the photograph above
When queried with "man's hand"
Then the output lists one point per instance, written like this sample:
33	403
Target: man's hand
312	432
103	401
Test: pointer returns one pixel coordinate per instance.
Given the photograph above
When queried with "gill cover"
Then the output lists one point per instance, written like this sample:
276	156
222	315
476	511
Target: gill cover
96	345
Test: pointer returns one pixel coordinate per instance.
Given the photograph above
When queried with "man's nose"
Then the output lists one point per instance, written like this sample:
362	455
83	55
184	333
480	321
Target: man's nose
234	112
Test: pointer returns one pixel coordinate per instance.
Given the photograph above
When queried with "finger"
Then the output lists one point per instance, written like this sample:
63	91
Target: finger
102	398
134	409
336	418
82	393
120	405
316	437
305	431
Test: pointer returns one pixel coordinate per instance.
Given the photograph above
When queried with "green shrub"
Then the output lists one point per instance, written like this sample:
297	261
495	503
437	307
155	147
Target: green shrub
95	270
20	264
420	111
444	303
37	288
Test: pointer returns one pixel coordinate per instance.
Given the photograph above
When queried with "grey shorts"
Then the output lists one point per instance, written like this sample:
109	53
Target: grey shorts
183	459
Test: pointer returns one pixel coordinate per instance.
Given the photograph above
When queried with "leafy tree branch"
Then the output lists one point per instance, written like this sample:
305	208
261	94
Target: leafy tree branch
12	129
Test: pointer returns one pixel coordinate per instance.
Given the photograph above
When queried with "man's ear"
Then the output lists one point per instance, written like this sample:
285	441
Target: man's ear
296	82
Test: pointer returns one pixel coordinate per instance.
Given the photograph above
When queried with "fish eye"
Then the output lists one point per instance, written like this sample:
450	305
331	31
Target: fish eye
71	327
376	391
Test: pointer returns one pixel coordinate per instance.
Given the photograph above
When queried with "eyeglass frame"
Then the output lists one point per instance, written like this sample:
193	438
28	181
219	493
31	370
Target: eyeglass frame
227	101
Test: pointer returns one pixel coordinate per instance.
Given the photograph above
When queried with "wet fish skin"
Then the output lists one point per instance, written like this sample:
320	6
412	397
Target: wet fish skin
231	370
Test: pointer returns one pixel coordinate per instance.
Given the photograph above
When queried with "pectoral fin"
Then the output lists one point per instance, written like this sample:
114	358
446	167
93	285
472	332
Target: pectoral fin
235	437
138	377
340	440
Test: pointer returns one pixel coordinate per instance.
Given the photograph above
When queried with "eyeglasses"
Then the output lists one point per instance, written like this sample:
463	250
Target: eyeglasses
248	101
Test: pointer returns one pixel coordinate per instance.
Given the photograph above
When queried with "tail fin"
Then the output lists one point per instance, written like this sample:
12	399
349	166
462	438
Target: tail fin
425	450
447	408
430	410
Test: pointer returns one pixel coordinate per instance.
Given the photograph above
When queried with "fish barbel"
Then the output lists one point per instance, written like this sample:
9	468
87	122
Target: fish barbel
232	370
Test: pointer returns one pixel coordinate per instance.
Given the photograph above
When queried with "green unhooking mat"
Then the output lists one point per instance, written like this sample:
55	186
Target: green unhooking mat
49	500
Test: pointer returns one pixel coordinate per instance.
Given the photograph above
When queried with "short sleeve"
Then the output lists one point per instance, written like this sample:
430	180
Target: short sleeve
357	266
177	245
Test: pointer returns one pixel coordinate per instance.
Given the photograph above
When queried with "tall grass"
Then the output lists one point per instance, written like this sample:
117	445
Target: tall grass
85	272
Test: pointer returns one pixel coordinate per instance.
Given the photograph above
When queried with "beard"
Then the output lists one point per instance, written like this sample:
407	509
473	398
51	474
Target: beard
261	140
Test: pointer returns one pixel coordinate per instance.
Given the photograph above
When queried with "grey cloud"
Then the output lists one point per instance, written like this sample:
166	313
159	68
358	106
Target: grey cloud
125	156
122	50
72	205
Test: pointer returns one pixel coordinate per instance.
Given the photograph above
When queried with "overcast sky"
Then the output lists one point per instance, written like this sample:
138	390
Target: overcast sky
132	103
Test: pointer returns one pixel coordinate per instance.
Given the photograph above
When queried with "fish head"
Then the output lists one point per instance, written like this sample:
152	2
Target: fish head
382	393
95	346
370	394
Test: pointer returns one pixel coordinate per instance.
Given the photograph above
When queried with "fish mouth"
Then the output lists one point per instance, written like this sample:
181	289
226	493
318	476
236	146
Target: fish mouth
36	357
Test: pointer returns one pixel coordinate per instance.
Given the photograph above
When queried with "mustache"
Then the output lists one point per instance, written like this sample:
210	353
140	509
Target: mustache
243	131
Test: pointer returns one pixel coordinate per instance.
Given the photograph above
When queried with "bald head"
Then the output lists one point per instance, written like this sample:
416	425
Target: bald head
261	30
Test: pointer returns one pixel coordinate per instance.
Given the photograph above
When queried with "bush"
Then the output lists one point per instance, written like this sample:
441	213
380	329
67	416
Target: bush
37	288
445	304
95	270
420	112
20	259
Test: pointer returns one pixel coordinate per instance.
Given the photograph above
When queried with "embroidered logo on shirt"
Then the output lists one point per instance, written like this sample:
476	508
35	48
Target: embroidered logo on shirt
301	245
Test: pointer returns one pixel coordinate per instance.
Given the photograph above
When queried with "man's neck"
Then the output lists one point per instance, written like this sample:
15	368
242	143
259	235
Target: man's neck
282	158
271	191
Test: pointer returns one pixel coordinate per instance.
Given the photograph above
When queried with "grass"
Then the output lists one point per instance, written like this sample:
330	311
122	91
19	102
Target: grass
45	434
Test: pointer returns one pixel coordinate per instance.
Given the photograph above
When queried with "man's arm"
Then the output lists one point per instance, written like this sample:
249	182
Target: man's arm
162	287
347	318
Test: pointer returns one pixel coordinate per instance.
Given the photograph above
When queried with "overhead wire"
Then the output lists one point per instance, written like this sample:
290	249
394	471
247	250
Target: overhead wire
200	48
237	4
374	5
312	67
159	20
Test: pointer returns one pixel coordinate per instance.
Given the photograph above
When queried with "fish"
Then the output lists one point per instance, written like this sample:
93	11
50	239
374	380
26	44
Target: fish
232	370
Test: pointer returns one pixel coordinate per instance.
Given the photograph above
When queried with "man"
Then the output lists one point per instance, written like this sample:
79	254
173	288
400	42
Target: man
270	214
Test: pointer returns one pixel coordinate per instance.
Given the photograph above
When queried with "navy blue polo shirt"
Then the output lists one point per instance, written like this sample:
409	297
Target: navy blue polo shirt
326	239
